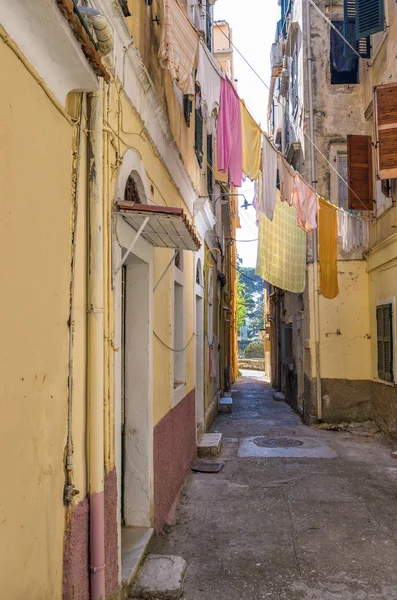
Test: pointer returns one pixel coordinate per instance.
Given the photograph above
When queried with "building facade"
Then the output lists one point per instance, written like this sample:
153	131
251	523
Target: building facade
330	356
120	287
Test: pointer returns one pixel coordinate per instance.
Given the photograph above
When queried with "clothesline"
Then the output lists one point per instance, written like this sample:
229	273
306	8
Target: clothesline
291	117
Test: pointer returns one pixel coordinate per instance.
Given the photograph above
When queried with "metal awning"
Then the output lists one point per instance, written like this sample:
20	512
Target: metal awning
163	226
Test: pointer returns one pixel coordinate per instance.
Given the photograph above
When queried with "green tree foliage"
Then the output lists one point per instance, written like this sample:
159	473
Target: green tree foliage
255	350
254	298
241	301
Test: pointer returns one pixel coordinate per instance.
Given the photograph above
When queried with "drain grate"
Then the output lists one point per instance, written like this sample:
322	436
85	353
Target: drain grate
264	442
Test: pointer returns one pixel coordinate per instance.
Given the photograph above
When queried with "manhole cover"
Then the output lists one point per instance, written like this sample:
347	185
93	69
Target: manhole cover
264	442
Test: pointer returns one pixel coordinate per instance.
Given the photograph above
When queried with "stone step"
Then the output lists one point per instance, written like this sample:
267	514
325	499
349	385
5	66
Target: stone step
161	577
209	445
226	405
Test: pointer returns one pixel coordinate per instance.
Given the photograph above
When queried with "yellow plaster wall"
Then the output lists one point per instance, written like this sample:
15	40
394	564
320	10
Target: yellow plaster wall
147	35
346	356
382	265
162	192
35	187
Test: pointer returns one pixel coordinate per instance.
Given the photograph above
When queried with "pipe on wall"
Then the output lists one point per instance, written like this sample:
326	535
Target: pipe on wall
95	359
315	233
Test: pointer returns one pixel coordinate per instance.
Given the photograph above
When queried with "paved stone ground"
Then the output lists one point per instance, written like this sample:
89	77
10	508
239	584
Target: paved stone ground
288	528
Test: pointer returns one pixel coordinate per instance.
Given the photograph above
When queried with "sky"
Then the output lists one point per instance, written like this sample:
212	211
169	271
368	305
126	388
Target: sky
253	23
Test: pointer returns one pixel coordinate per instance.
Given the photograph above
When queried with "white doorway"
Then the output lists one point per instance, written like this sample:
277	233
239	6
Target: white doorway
199	330
136	418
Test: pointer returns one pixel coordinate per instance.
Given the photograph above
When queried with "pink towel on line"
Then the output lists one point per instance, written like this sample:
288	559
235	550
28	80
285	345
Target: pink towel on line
229	141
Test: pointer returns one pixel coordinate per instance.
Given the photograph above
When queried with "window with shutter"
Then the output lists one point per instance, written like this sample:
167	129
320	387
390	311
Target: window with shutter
384	325
198	128
359	169
362	45
385	113
187	108
344	70
370	17
208	28
210	166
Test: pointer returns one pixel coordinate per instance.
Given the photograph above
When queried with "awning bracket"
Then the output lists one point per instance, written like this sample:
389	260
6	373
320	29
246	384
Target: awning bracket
130	247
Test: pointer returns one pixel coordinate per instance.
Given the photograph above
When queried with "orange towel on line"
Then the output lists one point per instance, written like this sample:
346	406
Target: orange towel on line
328	249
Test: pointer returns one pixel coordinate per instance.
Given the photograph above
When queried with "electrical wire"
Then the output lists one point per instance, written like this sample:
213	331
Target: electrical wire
169	347
292	118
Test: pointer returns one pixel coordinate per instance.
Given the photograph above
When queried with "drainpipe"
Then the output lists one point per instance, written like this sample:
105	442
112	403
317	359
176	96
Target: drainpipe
315	233
95	360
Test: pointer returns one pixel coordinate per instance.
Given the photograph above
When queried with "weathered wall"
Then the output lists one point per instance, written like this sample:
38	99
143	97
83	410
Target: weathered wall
147	35
35	185
174	447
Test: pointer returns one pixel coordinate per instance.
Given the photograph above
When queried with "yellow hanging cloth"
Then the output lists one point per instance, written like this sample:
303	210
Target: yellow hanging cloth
251	143
328	249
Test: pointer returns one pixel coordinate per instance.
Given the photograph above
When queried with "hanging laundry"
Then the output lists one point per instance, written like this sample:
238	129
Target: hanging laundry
257	195
229	143
286	176
353	231
306	204
328	249
178	46
269	178
281	258
209	77
251	139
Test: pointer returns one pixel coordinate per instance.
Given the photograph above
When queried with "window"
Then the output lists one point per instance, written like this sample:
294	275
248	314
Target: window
362	45
132	193
384	326
208	24
178	260
187	108
344	70
294	84
179	337
210	167
360	176
385	113
341	161
124	7
198	128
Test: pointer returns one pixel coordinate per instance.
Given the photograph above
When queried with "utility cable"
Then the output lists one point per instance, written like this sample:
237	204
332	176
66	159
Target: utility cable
283	106
169	347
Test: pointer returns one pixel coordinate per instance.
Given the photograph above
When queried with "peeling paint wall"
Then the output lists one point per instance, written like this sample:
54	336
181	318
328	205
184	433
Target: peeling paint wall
35	187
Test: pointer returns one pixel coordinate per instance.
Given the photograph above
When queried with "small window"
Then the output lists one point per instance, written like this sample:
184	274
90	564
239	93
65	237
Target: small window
178	260
294	84
208	32
187	108
343	201
131	192
384	324
344	70
179	336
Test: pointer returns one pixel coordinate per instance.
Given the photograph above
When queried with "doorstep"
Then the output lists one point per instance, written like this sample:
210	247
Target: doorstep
209	445
134	543
226	404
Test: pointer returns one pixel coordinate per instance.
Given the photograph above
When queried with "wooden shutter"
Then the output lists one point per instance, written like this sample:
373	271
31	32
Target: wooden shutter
384	323
359	172
370	17
187	108
362	45
385	113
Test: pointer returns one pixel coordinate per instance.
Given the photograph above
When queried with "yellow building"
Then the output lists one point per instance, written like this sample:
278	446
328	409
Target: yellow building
337	357
111	293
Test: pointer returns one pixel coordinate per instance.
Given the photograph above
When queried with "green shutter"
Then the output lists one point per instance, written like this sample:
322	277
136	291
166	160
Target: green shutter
187	108
198	129
208	24
370	17
362	45
384	322
210	167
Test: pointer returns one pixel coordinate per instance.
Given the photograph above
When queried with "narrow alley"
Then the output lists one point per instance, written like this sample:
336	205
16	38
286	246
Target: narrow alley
296	513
